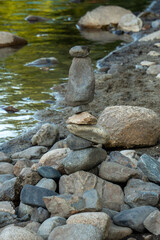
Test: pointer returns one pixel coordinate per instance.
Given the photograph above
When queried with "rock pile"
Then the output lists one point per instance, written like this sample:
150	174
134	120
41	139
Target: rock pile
54	193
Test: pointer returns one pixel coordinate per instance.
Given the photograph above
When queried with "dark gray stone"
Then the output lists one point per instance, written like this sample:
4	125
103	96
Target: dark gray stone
39	215
117	157
49	172
133	218
32	18
6	219
81	84
79	51
43	62
85	159
150	167
77	143
33	195
140	193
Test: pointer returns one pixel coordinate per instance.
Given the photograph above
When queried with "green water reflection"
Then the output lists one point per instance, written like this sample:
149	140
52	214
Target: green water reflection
27	88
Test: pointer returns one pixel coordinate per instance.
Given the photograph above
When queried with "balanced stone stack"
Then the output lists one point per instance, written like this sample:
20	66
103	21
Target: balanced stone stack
81	85
84	135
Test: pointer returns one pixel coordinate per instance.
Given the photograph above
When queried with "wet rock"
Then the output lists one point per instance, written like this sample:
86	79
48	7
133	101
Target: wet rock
85	159
102	16
130	126
33	195
79	182
120	158
117	232
32	18
150	167
151	36
79	51
30	153
43	62
71	231
81	84
97	219
6	206
10	109
6	168
6	218
4	158
18	233
7	191
46	136
49	172
93	133
77	143
49	224
83	118
154	69
115	172
47	183
20	164
39	215
133	218
140	193
130	22
8	39
152	222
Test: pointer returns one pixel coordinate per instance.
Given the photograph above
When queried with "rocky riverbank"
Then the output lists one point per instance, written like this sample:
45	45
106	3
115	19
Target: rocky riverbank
94	175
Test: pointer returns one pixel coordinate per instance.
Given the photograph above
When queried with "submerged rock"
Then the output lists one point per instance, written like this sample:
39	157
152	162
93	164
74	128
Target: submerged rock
41	62
33	18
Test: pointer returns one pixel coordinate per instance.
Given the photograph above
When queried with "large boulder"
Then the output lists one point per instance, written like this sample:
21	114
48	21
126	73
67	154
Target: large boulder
8	39
130	126
102	16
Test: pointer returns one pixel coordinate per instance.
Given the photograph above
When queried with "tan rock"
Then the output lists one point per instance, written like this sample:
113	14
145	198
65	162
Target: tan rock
130	22
153	53
130	126
79	182
55	158
8	39
154	69
6	168
6	206
94	133
115	172
151	36
82	118
18	233
98	219
117	232
20	165
152	222
147	63
102	16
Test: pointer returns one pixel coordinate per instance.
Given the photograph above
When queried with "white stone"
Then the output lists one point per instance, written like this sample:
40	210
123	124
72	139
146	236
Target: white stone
147	63
154	53
130	22
151	36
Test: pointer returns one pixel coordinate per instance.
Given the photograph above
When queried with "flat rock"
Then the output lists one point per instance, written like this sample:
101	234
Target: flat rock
76	143
49	224
152	222
43	62
85	159
79	182
33	195
133	218
54	158
130	23
94	133
98	219
18	233
115	172
71	231
140	193
154	69
152	36
130	126
117	232
83	118
6	168
150	167
30	153
6	206
49	172
8	39
102	16
81	84
46	135
79	51
47	183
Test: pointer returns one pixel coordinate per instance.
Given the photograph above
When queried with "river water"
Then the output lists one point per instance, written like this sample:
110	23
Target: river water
29	88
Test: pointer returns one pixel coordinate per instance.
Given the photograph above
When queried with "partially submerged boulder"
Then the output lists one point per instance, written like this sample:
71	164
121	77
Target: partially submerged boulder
8	39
